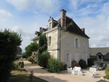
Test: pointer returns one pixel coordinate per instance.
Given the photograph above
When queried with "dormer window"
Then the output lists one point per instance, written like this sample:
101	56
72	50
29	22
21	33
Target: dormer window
50	24
50	21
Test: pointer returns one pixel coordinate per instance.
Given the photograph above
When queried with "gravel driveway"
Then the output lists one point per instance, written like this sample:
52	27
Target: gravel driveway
61	77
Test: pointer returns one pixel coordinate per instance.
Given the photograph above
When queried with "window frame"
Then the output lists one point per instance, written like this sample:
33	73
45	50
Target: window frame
76	42
49	40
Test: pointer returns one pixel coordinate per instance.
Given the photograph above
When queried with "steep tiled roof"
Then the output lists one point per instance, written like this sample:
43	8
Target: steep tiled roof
55	23
106	57
72	27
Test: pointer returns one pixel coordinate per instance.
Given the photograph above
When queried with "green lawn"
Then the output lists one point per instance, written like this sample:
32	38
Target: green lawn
20	75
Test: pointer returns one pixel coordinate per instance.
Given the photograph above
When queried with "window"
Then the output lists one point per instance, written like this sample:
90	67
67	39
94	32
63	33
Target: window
49	40
67	57
77	43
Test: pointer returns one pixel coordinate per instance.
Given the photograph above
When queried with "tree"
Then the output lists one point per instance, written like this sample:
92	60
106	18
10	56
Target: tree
42	43
9	41
30	48
42	49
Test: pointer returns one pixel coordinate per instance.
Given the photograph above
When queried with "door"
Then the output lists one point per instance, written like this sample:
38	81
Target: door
68	59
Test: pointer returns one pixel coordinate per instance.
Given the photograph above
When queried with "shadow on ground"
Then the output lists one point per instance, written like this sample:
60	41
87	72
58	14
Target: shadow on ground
102	81
24	78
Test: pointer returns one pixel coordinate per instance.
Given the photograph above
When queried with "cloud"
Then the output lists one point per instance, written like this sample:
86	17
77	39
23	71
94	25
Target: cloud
105	8
88	7
19	4
44	6
5	18
4	13
97	28
26	36
73	3
94	16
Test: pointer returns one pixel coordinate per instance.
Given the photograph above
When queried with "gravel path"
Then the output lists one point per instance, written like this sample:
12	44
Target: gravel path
61	77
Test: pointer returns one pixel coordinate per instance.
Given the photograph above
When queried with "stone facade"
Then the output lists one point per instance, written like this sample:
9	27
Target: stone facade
63	42
66	41
53	47
68	46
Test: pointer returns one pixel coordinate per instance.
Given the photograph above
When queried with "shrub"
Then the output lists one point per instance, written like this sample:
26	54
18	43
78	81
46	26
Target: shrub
9	42
15	65
90	62
107	73
64	67
55	65
43	59
74	63
82	64
31	59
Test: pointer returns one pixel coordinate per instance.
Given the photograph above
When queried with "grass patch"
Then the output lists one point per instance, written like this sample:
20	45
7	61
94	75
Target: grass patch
20	75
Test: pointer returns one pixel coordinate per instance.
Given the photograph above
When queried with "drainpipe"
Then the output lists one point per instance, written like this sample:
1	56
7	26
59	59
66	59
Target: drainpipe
60	46
59	43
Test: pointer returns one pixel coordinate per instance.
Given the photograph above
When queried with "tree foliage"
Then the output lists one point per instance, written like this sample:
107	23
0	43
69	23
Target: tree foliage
42	43
30	48
44	57
42	48
9	41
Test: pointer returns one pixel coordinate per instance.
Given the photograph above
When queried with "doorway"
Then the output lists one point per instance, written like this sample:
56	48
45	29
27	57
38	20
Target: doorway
68	59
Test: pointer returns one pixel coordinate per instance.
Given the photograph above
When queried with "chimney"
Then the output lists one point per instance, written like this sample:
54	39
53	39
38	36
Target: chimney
63	18
83	30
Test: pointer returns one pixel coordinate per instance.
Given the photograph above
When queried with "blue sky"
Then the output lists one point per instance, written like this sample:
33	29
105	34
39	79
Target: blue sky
26	16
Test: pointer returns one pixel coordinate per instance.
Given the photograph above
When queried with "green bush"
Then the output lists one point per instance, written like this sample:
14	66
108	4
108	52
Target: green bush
107	73
74	63
82	64
15	65
31	59
55	65
9	42
64	67
90	62
43	59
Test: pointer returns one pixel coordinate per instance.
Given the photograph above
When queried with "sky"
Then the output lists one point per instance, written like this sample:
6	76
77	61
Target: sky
26	16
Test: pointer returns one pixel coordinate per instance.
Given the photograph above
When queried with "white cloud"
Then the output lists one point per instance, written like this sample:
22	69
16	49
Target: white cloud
5	18
106	8
94	16
19	4
47	6
4	13
26	36
74	3
97	29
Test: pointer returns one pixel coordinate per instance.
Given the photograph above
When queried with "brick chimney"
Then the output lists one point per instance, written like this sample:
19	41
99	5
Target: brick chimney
83	29
63	18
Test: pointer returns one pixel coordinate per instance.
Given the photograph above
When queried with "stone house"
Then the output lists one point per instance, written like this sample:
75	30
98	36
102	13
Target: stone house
66	40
